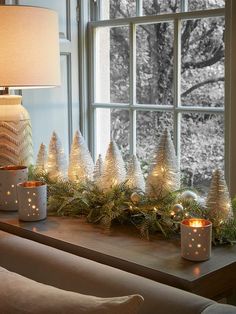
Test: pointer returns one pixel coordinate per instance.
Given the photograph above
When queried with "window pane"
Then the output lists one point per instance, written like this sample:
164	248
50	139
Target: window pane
202	147
112	65
112	124
150	125
205	4
151	7
122	8
155	64
202	81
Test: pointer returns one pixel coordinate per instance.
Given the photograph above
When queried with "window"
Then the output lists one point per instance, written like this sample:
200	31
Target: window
156	65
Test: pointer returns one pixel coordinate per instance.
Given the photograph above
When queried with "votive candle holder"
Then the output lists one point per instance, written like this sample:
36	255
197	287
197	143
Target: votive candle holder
32	197
10	176
196	237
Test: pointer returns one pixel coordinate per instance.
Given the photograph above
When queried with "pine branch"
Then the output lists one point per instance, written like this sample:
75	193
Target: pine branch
149	215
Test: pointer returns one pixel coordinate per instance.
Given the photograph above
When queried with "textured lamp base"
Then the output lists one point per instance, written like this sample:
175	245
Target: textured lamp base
16	146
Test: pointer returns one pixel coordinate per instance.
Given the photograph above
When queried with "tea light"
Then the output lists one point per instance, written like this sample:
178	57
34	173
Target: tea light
32	197
196	239
10	176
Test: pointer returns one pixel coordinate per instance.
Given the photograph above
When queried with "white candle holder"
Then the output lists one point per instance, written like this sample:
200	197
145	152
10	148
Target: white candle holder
196	236
32	197
10	176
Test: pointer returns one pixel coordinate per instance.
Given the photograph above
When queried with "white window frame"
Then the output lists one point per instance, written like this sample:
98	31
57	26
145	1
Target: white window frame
230	93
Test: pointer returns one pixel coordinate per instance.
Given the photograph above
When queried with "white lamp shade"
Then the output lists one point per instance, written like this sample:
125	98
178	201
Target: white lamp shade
29	47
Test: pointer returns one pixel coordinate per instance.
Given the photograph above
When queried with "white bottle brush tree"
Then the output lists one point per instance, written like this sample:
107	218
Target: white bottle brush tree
134	176
98	169
81	164
56	163
218	200
114	169
41	161
164	176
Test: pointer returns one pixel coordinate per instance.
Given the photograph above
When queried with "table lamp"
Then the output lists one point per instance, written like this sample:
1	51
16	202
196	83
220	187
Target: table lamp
29	57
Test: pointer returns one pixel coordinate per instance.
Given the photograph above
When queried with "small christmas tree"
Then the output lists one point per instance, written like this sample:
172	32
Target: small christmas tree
98	168
81	164
41	162
134	176
114	168
56	164
164	176
218	200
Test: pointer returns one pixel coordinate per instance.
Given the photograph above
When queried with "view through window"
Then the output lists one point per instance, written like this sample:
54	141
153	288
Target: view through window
160	64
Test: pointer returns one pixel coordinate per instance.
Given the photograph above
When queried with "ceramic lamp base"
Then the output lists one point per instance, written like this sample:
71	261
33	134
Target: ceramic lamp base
16	146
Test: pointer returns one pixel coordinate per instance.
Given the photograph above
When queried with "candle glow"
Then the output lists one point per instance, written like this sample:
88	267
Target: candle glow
196	223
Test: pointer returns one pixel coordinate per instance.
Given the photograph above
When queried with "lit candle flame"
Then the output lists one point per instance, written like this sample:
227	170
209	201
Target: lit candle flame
195	223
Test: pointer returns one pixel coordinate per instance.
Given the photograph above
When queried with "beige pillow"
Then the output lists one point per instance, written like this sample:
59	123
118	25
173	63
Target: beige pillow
20	295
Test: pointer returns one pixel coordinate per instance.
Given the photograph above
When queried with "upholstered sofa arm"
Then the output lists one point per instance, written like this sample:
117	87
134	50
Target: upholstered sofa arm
69	272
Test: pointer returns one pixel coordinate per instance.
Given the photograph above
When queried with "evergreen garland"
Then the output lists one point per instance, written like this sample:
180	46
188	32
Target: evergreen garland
149	215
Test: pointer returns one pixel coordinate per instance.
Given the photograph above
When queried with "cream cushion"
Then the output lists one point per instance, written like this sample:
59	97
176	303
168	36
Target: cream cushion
19	294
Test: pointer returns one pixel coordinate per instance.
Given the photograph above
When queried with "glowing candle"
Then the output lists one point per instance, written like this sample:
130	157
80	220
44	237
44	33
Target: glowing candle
196	239
196	223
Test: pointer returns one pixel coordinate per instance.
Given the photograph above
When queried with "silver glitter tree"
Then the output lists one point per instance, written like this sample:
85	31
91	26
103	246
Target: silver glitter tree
134	176
56	163
164	176
98	168
218	200
114	168
81	163
41	162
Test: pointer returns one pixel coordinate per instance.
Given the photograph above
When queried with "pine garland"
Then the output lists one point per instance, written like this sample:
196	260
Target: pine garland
117	205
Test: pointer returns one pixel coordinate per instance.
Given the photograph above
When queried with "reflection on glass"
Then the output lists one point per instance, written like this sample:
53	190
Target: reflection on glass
202	67
150	125
155	64
202	148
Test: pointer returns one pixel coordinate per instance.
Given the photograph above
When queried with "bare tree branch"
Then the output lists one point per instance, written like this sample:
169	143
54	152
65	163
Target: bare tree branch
218	55
196	86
